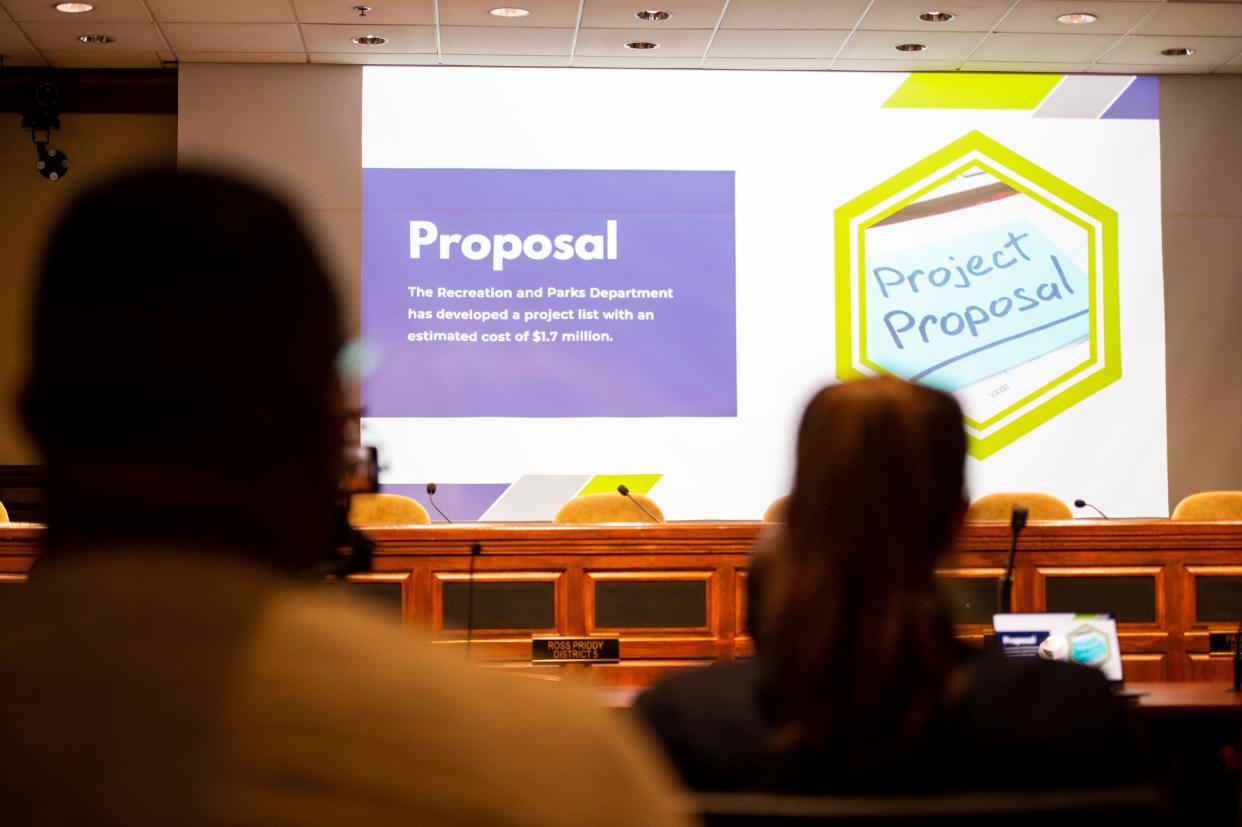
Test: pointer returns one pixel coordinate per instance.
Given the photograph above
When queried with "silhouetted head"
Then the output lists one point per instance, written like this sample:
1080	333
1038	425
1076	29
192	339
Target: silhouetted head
183	377
858	637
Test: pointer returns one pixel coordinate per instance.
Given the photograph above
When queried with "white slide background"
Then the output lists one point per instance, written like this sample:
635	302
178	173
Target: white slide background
801	145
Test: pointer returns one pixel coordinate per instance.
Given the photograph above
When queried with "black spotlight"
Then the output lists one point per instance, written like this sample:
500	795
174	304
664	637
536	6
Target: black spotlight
41	115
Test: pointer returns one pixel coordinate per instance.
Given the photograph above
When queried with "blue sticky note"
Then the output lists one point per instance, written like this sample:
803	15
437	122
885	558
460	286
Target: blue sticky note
951	313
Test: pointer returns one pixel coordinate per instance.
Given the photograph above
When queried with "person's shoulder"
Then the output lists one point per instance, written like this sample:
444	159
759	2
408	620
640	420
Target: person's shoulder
1056	724
1036	681
715	687
711	724
437	732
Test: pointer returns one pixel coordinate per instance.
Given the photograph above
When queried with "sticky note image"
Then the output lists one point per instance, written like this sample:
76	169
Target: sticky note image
954	311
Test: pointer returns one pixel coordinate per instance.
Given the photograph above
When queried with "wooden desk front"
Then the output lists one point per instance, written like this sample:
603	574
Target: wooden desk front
675	594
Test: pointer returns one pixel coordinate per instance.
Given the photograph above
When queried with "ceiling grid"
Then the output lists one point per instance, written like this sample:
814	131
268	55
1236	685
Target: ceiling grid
1128	36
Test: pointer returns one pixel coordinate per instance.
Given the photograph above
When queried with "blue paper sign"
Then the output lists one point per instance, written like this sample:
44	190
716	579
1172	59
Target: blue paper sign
951	313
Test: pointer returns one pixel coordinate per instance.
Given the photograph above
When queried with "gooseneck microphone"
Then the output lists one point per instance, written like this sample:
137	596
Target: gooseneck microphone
625	492
431	490
475	550
1017	522
1085	504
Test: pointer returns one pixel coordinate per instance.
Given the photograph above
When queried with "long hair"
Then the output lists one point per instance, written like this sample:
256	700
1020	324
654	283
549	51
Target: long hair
862	652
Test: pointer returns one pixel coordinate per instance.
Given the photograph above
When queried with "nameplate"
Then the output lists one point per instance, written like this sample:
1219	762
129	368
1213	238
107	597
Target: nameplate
1221	643
575	650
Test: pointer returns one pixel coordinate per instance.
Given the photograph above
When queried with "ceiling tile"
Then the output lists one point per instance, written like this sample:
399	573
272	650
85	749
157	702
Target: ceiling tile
645	62
611	43
903	15
373	59
1025	67
494	40
233	37
1044	48
12	39
894	65
63	36
105	11
329	39
1115	16
1214	19
1145	69
801	64
12	59
221	11
83	59
242	57
619	14
793	14
1145	50
405	13
505	60
942	46
777	43
544	14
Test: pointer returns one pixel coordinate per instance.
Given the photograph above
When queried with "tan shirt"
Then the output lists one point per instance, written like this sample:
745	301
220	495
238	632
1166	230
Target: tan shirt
148	688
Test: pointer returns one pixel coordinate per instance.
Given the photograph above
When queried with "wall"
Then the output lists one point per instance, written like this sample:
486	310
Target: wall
97	146
296	128
1200	120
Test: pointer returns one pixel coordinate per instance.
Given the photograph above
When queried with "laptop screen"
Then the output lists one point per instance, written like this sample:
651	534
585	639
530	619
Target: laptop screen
1089	639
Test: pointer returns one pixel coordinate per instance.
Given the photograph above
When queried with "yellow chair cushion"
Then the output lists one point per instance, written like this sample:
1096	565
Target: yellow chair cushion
386	509
1000	506
1210	505
778	511
608	508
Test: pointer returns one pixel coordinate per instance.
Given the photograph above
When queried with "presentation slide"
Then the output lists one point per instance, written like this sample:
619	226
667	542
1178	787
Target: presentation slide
573	279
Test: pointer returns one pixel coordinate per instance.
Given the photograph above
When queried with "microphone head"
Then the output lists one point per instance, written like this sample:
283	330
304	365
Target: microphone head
431	488
1019	517
623	491
1080	503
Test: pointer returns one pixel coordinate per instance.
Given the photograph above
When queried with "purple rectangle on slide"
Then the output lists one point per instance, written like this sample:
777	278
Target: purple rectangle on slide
629	302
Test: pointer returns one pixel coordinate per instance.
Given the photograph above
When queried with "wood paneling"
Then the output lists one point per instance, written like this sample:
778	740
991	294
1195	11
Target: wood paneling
576	558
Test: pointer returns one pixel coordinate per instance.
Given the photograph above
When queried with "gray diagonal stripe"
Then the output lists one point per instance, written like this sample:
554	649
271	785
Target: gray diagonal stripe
1082	96
535	497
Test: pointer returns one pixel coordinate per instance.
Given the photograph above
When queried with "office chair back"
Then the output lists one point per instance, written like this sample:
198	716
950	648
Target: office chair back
386	509
608	507
778	511
1210	505
1000	506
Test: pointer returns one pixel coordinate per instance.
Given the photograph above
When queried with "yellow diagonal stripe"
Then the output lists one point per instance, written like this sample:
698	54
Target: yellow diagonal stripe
933	90
637	483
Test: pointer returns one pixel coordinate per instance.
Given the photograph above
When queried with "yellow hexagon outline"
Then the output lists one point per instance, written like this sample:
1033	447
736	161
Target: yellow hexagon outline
1091	272
975	141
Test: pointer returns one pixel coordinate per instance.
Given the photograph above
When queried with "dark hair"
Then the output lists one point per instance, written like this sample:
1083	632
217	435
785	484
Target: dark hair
861	650
183	325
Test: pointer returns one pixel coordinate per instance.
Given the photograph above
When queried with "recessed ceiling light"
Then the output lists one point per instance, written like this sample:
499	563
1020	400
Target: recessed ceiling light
910	47
1179	52
509	11
96	38
370	40
936	16
642	45
654	15
73	8
1077	18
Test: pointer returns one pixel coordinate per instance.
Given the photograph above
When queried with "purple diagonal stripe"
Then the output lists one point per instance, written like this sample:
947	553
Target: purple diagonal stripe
1140	101
462	502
